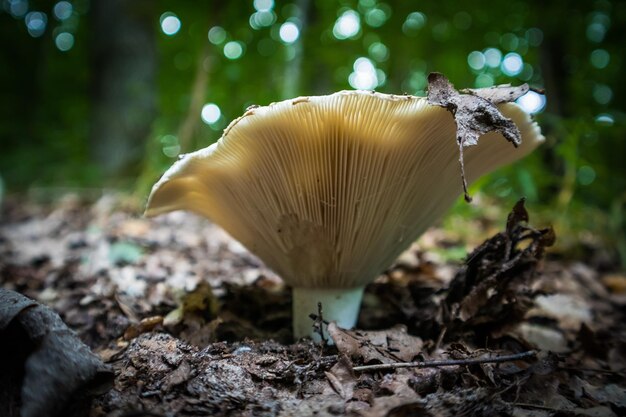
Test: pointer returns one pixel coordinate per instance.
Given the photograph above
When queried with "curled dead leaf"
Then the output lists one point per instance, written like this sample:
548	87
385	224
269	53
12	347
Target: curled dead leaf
475	112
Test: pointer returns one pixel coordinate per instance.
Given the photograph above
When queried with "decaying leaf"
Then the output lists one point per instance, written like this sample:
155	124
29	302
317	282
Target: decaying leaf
610	394
199	304
543	390
146	325
398	406
45	369
542	337
475	112
381	346
492	290
341	378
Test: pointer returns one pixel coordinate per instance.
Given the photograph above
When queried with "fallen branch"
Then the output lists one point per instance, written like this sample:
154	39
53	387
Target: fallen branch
448	362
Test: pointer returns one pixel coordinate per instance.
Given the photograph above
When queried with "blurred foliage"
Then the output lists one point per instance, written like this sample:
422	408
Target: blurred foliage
235	54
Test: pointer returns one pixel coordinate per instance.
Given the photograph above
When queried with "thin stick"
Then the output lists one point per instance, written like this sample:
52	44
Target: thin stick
319	313
539	407
451	362
319	324
468	198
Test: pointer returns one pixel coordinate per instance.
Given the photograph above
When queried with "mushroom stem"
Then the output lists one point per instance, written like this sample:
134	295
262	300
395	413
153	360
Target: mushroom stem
340	305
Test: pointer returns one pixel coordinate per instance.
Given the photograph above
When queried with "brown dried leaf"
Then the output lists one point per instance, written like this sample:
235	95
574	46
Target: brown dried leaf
145	325
475	113
382	346
398	407
342	379
492	290
403	401
518	215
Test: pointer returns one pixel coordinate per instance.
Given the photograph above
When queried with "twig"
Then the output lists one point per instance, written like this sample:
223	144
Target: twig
468	198
319	312
540	407
318	325
449	362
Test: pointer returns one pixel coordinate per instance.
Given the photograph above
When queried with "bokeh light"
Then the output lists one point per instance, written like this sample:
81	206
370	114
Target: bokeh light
534	36
263	5
233	50
586	175
63	10
170	23
532	102
36	23
602	93
493	57
604	119
170	145
600	58
347	25
262	19
289	32
417	82
217	35
211	113
378	51
376	17
484	80
512	64
476	60
17	8
413	23
64	41
595	32
365	76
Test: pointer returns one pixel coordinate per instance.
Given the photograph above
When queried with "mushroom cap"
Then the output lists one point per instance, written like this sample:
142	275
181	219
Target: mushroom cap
329	190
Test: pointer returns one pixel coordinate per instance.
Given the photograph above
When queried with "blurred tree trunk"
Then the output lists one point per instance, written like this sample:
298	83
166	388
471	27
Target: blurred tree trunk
292	79
189	127
124	83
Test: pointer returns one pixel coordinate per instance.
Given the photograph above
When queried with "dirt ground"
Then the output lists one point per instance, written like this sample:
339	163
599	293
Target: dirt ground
188	323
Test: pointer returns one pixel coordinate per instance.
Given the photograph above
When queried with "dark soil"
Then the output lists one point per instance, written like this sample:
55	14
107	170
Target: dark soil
193	325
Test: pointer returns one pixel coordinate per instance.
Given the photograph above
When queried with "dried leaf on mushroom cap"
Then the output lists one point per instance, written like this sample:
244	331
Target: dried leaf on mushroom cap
475	113
328	190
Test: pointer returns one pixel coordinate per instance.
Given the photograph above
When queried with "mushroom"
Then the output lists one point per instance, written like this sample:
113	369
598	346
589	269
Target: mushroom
328	191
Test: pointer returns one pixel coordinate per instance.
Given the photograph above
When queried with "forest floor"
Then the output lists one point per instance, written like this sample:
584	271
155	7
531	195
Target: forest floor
190	324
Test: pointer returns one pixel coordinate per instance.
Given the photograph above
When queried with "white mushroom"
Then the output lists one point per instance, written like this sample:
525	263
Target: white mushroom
329	190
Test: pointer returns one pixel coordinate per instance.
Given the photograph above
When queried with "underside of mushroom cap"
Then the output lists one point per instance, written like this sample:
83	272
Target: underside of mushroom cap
329	190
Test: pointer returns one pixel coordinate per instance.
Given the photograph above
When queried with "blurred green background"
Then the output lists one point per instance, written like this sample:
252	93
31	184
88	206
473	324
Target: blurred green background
109	92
